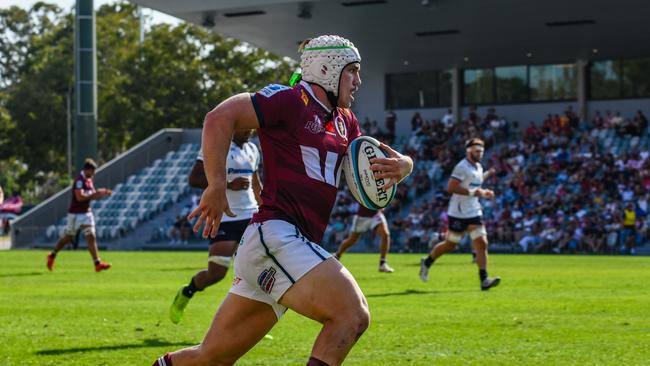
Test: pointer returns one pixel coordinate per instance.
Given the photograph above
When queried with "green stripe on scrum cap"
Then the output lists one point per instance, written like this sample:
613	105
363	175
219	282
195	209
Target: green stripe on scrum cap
326	48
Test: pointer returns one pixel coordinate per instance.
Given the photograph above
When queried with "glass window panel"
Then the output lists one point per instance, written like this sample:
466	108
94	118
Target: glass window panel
541	82
479	86
565	81
400	92
636	78
512	84
605	79
428	89
444	88
553	82
412	90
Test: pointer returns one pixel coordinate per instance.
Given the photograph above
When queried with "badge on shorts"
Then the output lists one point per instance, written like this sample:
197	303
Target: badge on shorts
266	280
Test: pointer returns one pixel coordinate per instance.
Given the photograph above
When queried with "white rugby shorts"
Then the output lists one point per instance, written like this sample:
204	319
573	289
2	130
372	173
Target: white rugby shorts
75	221
361	224
270	258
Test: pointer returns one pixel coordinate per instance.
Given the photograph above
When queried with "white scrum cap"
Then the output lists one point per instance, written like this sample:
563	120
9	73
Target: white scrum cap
324	58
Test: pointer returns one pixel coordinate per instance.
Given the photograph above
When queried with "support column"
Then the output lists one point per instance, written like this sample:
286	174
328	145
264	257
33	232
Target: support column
85	122
456	94
582	91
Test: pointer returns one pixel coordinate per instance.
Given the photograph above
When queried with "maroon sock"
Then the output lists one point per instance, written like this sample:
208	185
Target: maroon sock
165	360
316	362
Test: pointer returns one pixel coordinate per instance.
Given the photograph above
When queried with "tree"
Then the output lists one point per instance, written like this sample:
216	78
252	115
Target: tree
170	80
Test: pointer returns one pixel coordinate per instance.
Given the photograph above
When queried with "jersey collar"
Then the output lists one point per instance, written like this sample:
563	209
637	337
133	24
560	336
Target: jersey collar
311	93
473	165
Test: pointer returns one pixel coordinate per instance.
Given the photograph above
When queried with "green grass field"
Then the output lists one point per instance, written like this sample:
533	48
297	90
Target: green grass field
548	310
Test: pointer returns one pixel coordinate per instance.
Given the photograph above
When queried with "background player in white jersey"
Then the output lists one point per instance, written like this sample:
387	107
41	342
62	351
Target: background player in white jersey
367	219
243	194
465	213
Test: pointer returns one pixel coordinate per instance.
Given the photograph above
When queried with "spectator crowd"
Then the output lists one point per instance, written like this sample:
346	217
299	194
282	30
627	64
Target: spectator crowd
565	186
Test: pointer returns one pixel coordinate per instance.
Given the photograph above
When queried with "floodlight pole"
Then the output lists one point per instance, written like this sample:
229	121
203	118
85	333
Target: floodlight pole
68	102
141	21
85	83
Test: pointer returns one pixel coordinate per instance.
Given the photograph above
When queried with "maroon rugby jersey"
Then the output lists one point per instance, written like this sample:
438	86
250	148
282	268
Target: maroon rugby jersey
366	212
85	184
302	147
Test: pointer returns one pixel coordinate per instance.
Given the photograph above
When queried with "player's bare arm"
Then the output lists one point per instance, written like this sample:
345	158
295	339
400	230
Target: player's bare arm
257	188
82	195
239	184
396	167
236	112
489	173
453	186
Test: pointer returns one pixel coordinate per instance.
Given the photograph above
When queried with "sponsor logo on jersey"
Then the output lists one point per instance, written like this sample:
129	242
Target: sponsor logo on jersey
339	123
315	126
266	279
269	90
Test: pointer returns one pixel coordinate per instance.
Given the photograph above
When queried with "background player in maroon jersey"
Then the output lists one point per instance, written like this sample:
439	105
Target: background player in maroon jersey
80	217
367	219
304	132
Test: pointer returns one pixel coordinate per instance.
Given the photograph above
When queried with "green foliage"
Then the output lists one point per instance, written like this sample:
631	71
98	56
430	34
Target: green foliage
170	80
549	310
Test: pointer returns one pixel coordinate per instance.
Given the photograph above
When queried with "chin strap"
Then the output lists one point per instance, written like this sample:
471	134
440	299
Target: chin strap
333	99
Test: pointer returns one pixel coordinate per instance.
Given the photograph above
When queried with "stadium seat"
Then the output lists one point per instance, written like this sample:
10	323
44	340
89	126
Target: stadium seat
141	197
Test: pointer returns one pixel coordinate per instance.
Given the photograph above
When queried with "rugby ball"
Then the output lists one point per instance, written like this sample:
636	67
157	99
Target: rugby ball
367	190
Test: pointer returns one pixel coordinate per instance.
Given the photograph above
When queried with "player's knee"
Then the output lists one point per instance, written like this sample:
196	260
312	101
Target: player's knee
356	320
481	242
450	246
363	321
216	273
359	322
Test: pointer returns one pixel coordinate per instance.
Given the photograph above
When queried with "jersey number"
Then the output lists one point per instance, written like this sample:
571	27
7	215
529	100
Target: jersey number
311	159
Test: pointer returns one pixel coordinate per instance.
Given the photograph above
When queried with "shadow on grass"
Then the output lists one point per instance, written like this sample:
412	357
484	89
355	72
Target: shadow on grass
145	344
441	263
402	293
415	292
171	269
21	274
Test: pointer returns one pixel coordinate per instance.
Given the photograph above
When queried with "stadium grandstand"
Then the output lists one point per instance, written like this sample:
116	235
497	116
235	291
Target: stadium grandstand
561	102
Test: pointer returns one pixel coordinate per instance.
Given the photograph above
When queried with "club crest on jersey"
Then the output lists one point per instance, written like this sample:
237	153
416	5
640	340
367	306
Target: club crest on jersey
339	123
315	126
266	279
